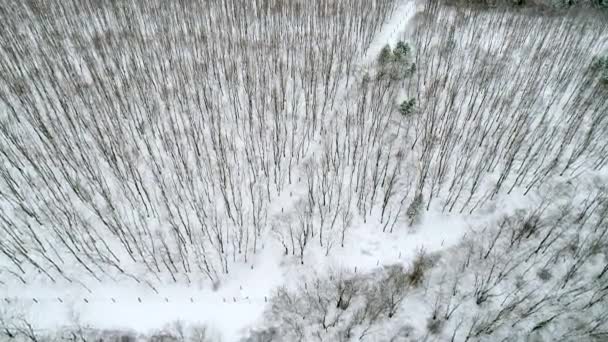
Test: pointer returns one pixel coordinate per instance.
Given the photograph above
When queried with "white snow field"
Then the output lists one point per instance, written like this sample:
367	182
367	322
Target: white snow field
229	170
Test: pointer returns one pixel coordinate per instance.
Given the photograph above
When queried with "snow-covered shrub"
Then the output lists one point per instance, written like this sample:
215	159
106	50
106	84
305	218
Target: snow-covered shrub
544	274
434	325
393	288
347	289
420	265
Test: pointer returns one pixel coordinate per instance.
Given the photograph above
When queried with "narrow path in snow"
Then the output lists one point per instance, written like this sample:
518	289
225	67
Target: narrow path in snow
390	32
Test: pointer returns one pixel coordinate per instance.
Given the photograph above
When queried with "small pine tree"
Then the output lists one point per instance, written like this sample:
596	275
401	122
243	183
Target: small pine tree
407	107
386	56
401	51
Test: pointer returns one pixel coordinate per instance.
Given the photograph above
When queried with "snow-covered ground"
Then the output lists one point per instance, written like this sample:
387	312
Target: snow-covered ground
130	306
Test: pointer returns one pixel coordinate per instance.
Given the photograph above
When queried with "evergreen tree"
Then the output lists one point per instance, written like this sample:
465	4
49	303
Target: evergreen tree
386	56
401	51
407	107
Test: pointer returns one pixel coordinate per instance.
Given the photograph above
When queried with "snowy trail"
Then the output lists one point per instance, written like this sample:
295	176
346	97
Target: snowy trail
136	307
390	32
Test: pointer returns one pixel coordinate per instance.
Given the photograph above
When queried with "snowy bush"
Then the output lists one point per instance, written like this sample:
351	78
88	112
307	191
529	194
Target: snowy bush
544	274
393	288
435	325
419	267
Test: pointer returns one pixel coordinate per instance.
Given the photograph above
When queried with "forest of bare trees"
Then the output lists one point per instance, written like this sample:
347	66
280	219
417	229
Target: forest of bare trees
167	141
520	107
140	134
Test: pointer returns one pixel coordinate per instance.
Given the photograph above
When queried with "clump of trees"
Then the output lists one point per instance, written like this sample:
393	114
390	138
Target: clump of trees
499	286
493	125
343	305
165	163
542	270
395	63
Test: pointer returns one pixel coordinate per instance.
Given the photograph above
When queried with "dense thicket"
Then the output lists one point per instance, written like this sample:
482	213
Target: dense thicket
509	107
154	135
